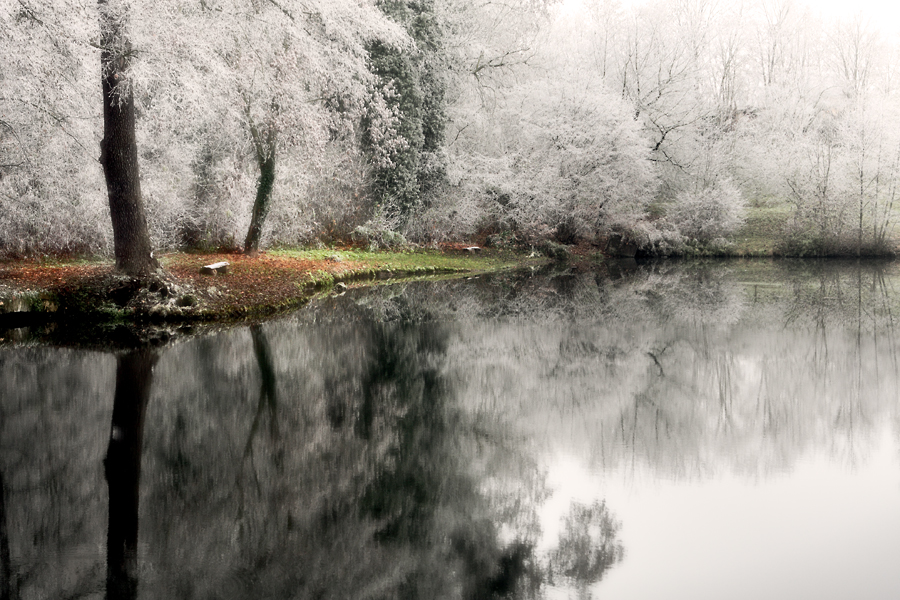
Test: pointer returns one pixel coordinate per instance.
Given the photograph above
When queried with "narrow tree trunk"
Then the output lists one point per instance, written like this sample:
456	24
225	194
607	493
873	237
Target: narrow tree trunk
134	374
261	204
118	150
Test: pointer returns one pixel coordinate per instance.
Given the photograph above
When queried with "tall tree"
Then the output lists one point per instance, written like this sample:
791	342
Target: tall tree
118	148
415	82
49	174
289	75
264	145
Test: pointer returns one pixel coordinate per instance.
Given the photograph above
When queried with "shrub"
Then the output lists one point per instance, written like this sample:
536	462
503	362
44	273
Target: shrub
551	249
709	212
375	236
656	238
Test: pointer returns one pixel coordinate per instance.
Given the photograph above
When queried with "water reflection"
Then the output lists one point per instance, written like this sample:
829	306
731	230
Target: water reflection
680	368
396	443
588	546
122	466
5	562
268	395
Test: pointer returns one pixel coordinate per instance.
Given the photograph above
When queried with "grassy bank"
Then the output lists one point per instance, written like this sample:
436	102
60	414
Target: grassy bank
761	231
83	295
769	231
90	293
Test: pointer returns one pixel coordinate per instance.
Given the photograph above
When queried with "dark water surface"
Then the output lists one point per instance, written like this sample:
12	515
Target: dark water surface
672	431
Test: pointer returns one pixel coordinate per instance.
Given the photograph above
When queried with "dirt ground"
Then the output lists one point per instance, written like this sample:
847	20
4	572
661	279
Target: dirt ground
264	280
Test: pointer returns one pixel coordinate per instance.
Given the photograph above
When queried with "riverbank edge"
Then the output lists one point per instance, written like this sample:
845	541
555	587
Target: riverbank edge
126	311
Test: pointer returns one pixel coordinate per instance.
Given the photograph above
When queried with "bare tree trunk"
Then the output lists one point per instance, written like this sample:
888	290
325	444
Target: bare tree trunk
265	139
261	204
134	375
118	150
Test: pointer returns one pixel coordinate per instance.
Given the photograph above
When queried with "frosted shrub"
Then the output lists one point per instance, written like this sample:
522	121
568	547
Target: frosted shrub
321	196
555	160
454	214
379	232
708	211
657	238
58	210
49	216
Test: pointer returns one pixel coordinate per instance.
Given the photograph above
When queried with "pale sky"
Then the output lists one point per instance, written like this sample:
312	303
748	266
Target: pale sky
884	14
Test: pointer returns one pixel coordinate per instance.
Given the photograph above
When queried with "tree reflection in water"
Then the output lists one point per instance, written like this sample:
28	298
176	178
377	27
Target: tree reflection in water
268	393
6	586
134	375
388	444
588	546
333	461
423	490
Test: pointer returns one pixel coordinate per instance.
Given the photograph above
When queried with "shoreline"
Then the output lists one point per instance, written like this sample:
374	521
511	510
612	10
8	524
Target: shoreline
86	303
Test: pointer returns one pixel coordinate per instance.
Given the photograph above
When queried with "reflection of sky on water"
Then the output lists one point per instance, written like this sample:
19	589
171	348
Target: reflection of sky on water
732	440
743	434
826	529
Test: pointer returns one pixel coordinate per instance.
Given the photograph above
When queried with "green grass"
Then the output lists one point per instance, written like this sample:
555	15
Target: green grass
412	260
761	231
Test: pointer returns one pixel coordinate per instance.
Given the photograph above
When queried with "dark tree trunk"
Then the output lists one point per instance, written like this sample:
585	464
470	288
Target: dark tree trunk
266	162
5	560
118	152
268	395
268	388
134	375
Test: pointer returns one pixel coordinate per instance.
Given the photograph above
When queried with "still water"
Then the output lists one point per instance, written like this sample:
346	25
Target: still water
727	430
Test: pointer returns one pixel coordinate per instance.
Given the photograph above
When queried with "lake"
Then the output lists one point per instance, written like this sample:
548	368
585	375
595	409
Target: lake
670	430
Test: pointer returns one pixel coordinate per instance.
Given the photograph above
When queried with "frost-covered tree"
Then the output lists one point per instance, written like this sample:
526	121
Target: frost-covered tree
52	127
412	82
560	159
840	176
285	76
289	122
219	88
873	140
555	151
51	185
